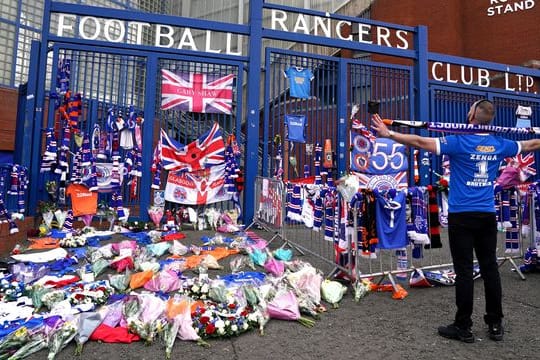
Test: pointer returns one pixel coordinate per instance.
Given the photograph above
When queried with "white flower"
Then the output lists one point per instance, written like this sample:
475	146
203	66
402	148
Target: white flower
15	283
220	324
204	288
9	292
4	282
245	326
227	322
195	288
252	317
234	328
221	331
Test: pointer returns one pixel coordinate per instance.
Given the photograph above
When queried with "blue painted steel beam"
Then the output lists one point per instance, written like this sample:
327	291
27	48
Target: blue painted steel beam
150	92
342	145
337	43
128	15
253	112
352	19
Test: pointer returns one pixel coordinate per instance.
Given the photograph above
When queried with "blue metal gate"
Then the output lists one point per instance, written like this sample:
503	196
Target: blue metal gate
120	75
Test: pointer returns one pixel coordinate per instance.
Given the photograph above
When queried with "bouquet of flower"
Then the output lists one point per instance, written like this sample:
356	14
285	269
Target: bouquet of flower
222	320
37	342
61	337
284	306
13	341
99	266
196	287
88	322
52	298
10	290
72	241
120	281
36	294
156	214
96	293
332	292
150	320
165	281
122	264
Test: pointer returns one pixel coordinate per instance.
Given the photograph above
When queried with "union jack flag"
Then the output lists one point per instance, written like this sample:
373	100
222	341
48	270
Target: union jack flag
524	163
201	93
208	150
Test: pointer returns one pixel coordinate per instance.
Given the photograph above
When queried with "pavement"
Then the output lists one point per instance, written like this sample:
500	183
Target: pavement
374	327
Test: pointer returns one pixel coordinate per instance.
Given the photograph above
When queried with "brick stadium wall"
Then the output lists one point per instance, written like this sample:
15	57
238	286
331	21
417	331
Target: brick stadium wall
8	117
463	27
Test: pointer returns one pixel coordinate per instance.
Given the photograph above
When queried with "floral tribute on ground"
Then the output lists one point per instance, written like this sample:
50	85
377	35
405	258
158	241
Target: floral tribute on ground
152	286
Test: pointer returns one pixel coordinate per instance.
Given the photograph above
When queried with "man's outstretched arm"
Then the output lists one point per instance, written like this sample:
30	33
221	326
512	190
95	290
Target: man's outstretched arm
426	143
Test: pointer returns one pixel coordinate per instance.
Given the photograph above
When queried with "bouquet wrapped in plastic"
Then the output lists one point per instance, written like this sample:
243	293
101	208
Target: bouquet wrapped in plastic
284	306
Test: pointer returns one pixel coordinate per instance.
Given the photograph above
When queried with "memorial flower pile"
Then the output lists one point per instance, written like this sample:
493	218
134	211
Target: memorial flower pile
136	289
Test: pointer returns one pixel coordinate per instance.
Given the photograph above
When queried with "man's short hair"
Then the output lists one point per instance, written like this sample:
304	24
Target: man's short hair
483	111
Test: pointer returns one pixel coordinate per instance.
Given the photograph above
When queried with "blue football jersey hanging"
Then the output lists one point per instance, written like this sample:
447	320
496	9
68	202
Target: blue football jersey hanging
300	78
296	128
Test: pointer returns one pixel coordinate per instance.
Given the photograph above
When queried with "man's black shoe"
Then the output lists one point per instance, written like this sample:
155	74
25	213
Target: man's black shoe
453	332
496	331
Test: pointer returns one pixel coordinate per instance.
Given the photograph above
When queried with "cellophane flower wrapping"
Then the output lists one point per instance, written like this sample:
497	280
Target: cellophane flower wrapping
158	249
138	279
52	298
259	257
284	306
87	219
122	264
88	322
210	262
125	247
218	291
178	312
14	340
165	281
178	249
131	309
112	313
37	342
240	262
36	294
332	292
308	280
150	317
99	266
156	214
120	281
274	267
60	338
170	331
283	254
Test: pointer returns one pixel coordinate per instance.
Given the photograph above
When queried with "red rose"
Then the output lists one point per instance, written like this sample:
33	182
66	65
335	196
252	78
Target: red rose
79	297
244	313
443	182
204	319
232	306
210	329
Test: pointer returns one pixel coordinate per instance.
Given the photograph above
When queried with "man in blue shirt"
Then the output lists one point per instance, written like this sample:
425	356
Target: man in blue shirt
474	161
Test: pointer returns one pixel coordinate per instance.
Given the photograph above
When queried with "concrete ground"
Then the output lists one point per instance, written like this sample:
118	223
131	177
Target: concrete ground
375	327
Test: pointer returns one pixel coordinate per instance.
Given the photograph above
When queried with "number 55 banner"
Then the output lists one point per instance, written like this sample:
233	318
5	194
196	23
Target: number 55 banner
378	163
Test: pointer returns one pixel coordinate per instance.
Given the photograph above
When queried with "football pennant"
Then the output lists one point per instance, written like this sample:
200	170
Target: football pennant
200	93
208	150
199	187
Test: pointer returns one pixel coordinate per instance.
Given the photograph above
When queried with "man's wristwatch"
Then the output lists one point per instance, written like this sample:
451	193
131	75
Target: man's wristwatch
391	134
